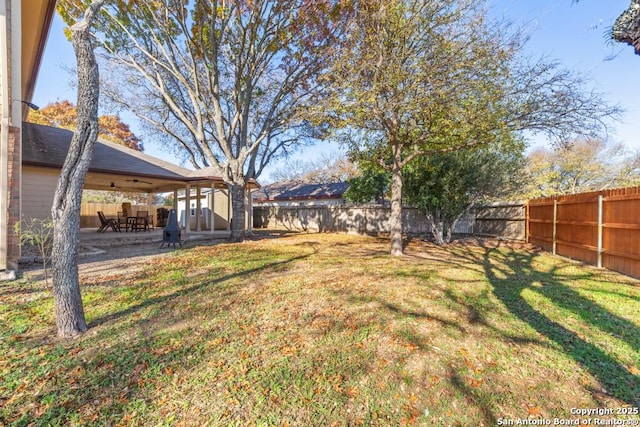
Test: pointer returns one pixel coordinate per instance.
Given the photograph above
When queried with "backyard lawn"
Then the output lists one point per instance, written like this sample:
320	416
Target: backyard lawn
329	330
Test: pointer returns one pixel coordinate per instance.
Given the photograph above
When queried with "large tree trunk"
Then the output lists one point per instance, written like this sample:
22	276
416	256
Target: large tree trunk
437	228
395	219
442	228
65	211
238	212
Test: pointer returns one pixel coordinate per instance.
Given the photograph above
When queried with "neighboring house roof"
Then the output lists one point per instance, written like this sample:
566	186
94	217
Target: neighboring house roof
293	190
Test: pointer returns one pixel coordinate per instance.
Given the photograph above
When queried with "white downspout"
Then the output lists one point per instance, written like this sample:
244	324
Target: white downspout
5	105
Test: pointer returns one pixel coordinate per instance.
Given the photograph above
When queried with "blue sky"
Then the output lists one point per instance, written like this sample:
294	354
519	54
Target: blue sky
576	34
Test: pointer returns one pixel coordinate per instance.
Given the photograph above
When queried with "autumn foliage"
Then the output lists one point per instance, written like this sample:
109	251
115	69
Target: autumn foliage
64	114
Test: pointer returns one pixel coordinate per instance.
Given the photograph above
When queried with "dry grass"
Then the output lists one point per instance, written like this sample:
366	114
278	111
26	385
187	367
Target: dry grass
318	329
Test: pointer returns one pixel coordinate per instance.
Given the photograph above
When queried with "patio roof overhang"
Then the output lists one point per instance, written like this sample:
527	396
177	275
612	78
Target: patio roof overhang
36	21
136	183
114	167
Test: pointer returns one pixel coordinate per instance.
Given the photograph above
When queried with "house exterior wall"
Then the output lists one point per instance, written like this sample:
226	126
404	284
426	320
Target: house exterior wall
38	186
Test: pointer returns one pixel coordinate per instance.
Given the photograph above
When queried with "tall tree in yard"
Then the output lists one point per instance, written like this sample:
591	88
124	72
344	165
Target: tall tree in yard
424	77
225	81
412	72
70	320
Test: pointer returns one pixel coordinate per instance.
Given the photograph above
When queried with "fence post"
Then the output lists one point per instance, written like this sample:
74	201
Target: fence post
600	217
555	226
527	217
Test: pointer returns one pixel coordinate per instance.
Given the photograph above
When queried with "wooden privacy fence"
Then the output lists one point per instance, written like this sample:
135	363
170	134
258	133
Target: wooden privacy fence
507	220
600	228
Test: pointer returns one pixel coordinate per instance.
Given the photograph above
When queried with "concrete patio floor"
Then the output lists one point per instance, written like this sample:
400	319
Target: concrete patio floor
126	247
90	237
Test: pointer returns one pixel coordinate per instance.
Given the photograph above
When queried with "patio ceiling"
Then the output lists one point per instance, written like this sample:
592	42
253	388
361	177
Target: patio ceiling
131	183
36	20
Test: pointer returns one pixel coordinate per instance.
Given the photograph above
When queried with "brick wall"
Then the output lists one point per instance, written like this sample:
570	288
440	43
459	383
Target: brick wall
13	214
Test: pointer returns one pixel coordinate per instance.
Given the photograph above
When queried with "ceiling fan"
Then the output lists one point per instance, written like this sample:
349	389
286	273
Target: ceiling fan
135	181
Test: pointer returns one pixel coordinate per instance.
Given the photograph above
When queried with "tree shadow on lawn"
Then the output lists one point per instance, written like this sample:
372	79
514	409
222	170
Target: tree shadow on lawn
514	273
106	373
164	299
471	315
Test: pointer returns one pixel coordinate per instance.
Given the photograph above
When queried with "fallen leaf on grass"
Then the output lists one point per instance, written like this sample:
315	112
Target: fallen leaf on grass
411	346
634	370
138	369
475	383
42	409
351	392
533	410
289	350
75	374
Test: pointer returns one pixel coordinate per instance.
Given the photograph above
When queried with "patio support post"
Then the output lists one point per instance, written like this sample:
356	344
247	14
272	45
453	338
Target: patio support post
249	211
187	209
212	207
600	218
150	212
198	207
175	203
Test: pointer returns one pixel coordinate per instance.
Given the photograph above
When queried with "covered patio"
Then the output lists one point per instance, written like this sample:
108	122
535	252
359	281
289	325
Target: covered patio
201	199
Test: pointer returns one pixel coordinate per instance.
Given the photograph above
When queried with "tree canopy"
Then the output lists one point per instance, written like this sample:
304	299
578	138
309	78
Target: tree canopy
224	81
578	166
323	170
419	78
372	185
64	114
443	187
